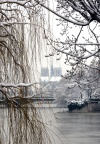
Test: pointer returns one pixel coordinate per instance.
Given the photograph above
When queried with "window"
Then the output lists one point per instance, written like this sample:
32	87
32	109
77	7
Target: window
44	72
57	72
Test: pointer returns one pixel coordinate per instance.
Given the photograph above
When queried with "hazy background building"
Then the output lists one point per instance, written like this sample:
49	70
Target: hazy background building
51	73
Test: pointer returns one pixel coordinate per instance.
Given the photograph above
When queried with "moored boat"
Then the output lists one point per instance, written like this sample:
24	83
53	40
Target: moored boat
84	105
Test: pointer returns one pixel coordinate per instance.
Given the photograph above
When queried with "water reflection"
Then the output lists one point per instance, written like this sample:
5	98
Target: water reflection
63	127
73	128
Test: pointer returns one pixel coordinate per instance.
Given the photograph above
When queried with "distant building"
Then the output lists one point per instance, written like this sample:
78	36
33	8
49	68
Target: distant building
52	72
57	72
44	72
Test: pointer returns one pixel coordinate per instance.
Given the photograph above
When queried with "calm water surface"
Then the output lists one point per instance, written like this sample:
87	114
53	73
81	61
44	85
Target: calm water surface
69	128
72	128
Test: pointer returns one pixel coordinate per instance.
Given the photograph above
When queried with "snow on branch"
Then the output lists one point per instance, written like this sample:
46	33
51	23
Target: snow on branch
83	23
15	85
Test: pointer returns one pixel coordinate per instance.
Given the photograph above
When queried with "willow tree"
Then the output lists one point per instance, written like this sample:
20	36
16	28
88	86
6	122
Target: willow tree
21	35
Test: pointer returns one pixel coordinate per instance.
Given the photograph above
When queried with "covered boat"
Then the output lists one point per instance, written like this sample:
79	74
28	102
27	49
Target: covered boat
84	105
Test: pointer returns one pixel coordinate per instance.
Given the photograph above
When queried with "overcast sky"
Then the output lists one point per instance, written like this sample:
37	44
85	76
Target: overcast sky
56	30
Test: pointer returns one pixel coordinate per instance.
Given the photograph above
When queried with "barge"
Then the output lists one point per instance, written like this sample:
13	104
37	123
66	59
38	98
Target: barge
86	105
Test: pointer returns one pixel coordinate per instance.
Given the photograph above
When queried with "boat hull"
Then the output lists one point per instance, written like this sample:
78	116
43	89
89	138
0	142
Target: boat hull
90	106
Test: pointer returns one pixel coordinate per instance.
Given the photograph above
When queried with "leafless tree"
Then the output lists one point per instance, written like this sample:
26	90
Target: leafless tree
79	12
80	20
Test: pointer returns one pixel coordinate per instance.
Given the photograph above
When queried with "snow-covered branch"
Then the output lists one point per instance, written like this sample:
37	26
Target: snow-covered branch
81	23
15	85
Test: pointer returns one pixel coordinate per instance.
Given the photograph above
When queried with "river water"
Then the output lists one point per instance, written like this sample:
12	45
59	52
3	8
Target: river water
71	128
